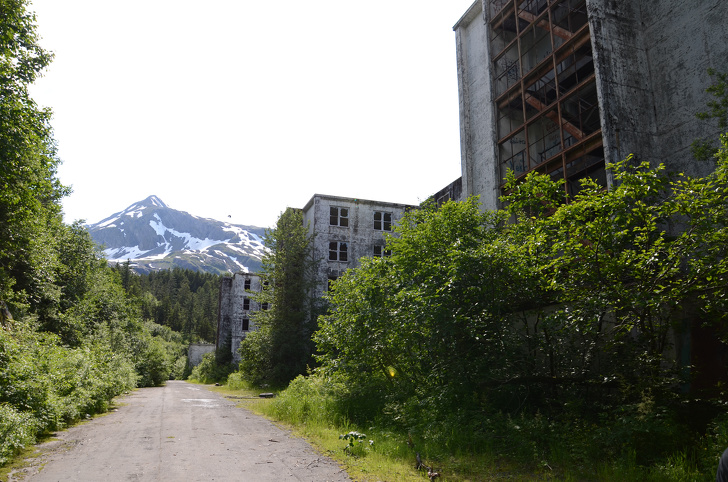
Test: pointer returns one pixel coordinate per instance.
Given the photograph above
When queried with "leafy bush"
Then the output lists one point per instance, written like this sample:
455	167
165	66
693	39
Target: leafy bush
17	430
310	400
209	371
46	386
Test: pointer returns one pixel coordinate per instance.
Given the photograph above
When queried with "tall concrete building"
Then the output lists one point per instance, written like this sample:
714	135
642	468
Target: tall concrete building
564	86
347	229
235	307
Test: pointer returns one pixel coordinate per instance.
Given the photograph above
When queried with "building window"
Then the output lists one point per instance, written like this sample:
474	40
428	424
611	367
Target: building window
247	285
547	115
339	216
246	324
246	303
382	221
379	251
264	306
338	251
332	278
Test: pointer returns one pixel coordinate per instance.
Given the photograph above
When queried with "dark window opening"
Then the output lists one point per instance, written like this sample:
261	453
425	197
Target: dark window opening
382	221
246	303
339	216
247	285
246	324
338	251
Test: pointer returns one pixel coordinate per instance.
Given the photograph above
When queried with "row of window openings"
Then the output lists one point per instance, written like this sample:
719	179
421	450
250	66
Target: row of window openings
340	217
572	66
579	118
339	251
248	283
246	305
567	17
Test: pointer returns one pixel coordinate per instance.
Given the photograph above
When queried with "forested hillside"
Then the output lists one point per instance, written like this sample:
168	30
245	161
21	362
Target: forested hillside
186	301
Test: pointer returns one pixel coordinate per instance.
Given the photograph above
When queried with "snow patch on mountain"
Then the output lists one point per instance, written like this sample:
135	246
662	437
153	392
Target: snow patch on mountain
154	232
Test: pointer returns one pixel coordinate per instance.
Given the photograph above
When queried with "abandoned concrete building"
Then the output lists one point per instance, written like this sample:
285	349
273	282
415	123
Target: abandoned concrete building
555	86
563	86
346	230
235	307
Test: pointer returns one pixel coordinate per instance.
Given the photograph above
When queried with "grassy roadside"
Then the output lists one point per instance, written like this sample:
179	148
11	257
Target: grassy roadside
390	457
311	414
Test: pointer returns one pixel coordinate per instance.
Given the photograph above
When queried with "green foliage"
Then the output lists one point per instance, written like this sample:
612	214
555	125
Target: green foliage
184	300
704	149
46	386
29	191
568	312
355	443
75	338
281	348
209	371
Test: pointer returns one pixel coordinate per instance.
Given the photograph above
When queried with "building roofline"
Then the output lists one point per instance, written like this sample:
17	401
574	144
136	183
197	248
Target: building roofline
469	14
353	200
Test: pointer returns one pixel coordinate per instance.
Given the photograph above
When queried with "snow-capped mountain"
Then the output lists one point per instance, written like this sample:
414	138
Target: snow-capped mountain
153	236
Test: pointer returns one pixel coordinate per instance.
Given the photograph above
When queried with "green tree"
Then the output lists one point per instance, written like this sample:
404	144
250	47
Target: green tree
282	348
30	193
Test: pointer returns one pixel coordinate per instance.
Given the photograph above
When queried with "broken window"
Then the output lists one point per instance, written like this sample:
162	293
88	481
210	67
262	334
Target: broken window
382	221
247	284
246	324
339	216
246	303
380	251
338	251
547	114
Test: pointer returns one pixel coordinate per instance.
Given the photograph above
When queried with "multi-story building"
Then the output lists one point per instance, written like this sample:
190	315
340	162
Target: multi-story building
564	86
236	305
347	229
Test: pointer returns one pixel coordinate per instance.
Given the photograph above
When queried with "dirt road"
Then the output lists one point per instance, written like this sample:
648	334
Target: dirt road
179	432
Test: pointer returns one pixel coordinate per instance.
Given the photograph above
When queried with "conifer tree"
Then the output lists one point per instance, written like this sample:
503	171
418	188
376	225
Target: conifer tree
281	349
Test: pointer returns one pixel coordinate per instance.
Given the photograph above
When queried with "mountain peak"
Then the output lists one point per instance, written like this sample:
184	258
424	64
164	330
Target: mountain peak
153	201
154	236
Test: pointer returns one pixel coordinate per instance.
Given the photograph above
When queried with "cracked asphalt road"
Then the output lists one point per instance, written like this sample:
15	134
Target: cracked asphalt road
179	432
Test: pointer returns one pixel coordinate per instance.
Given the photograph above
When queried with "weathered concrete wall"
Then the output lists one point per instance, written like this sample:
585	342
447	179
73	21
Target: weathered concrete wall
360	234
232	309
196	350
684	39
651	59
453	191
478	149
622	76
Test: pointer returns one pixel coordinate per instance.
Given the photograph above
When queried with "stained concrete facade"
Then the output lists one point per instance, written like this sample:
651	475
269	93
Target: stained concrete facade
236	305
347	229
564	86
197	350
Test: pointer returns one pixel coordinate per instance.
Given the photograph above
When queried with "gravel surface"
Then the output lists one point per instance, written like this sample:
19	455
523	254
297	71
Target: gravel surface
179	432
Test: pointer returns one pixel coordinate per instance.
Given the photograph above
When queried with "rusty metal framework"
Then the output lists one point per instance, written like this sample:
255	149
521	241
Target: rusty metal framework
545	91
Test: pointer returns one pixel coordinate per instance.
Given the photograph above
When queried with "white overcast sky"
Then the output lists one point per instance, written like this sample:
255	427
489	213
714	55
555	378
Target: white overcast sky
236	109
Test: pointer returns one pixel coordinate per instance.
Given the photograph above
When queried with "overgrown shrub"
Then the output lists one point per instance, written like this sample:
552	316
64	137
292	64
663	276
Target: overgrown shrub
209	371
45	386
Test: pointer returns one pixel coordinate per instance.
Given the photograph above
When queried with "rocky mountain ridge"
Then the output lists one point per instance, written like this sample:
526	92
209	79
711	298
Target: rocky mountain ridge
153	236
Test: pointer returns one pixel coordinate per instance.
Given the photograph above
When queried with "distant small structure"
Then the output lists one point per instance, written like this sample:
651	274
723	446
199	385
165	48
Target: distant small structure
197	350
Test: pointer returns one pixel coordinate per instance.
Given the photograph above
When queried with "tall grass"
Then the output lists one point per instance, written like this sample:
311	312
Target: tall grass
526	447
